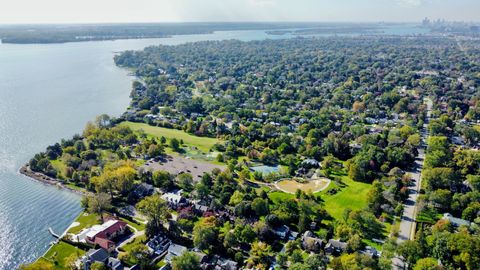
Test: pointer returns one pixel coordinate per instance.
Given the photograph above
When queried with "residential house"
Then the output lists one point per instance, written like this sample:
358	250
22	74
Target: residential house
143	190
311	243
219	263
174	200
457	222
371	252
174	250
310	163
335	247
94	255
282	232
158	244
114	264
103	235
199	209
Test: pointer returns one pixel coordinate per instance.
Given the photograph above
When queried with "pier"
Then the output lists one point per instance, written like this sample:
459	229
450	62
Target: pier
53	233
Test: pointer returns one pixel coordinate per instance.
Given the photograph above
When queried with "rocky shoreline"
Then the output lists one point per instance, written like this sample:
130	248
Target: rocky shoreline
45	179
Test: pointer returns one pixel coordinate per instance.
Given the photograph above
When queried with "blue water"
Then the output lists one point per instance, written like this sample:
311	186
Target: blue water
49	92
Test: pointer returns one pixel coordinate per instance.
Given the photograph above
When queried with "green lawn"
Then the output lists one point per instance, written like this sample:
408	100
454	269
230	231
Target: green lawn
353	196
139	227
202	143
128	248
85	221
139	240
57	254
277	196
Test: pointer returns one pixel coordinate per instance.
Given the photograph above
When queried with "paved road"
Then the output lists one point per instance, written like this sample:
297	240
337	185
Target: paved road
407	224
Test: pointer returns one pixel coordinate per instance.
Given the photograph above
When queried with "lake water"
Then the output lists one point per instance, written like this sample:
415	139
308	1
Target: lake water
49	92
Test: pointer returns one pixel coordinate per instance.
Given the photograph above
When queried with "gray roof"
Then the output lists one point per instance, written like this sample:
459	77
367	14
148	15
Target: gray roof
337	244
97	255
114	264
175	250
456	221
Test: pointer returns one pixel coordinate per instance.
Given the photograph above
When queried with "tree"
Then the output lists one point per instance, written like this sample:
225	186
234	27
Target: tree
344	262
260	255
102	121
185	181
474	181
375	197
99	203
410	250
230	240
438	152
441	198
186	261
156	210
260	206
175	145
440	178
38	265
427	264
162	179
205	234
124	179
155	150
354	243
98	266
139	255
71	261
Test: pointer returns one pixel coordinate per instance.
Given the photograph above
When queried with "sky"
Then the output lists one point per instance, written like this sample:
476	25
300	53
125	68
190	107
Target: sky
111	11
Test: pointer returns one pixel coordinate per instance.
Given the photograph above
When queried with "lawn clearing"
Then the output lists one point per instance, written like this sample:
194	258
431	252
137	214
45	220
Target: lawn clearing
85	220
291	186
59	252
139	227
202	143
353	196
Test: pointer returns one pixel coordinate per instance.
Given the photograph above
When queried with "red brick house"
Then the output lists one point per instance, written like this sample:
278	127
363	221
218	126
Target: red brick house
102	235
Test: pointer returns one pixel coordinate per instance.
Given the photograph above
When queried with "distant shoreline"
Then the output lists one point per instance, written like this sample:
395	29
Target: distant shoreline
40	177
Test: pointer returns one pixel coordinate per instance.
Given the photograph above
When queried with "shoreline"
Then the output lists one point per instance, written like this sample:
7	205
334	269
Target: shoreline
44	179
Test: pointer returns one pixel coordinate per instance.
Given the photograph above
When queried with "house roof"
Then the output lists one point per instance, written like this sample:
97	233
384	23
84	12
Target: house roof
176	250
456	221
107	227
172	197
114	263
97	255
337	244
284	229
110	227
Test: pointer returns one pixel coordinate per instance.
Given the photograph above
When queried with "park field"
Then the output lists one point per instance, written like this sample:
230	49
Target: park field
351	195
204	144
291	186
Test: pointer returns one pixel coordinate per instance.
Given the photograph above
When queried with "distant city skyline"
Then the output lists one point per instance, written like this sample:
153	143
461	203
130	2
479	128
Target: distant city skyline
128	11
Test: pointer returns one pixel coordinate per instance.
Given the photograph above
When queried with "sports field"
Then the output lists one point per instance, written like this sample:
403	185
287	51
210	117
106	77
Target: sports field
204	144
291	186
